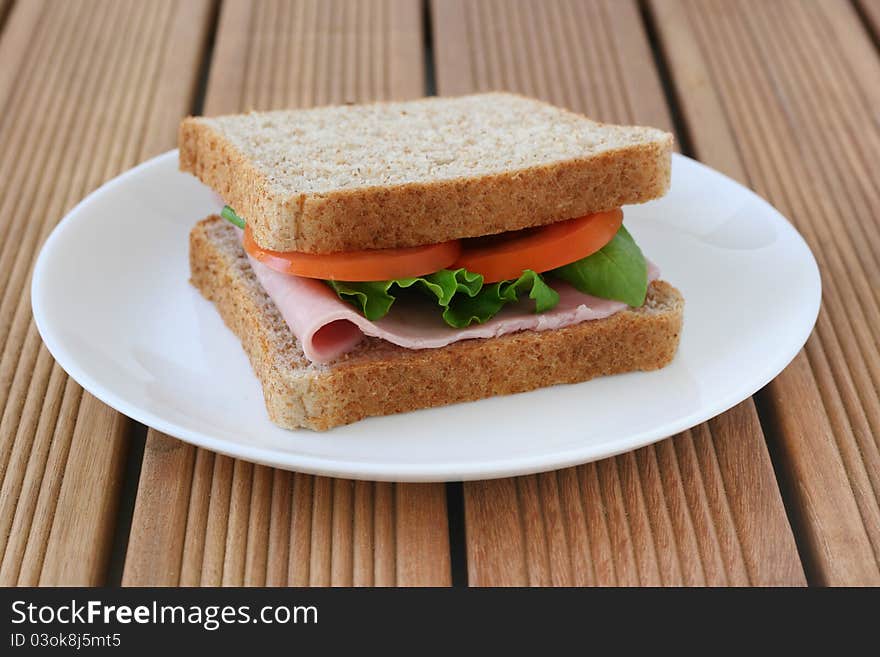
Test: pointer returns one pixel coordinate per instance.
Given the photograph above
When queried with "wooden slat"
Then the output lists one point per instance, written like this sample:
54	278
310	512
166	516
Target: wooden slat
701	508
784	96
87	89
235	523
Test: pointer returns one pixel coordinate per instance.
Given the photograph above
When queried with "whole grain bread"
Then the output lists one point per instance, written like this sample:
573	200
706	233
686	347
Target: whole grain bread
379	378
403	174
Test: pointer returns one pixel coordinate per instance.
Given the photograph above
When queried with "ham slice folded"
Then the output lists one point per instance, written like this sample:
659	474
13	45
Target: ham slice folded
329	327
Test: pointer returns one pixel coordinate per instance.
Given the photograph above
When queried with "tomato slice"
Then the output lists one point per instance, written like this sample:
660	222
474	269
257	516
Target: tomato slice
367	265
505	256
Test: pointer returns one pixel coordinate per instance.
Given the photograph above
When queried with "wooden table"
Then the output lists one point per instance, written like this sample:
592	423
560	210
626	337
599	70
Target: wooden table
782	489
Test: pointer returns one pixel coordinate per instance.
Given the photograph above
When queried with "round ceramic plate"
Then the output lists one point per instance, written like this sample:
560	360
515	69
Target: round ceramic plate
112	301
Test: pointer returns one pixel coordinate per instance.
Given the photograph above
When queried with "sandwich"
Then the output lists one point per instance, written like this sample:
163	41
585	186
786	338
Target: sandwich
383	258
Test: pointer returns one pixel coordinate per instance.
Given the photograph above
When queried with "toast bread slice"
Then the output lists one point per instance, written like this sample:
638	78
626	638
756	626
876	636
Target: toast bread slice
403	174
379	378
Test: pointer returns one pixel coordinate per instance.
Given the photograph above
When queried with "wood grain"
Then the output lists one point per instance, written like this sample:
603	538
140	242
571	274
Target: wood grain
87	90
783	97
237	523
701	508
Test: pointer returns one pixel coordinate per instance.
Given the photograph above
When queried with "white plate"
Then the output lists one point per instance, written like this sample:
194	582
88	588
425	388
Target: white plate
112	302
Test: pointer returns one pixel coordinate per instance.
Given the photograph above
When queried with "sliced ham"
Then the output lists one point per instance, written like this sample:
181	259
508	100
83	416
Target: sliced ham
328	327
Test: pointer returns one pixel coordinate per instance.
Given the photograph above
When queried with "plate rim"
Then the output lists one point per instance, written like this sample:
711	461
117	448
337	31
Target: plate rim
411	471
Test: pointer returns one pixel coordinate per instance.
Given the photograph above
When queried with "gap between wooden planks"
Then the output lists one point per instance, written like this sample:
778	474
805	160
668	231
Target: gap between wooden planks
88	89
202	518
783	96
700	508
870	9
5	8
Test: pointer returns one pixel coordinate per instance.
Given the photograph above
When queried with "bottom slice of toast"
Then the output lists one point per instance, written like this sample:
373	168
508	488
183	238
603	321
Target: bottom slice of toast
379	378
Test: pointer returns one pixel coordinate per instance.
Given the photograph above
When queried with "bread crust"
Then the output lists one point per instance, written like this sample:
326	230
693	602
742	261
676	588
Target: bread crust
430	211
379	378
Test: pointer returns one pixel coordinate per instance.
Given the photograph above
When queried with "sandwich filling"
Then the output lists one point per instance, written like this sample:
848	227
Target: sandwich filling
534	279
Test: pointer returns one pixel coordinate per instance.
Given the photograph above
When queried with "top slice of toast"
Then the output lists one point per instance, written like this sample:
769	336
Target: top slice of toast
403	174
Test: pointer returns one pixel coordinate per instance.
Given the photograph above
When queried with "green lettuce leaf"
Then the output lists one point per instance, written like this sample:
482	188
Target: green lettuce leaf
460	293
616	271
463	311
230	216
374	299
